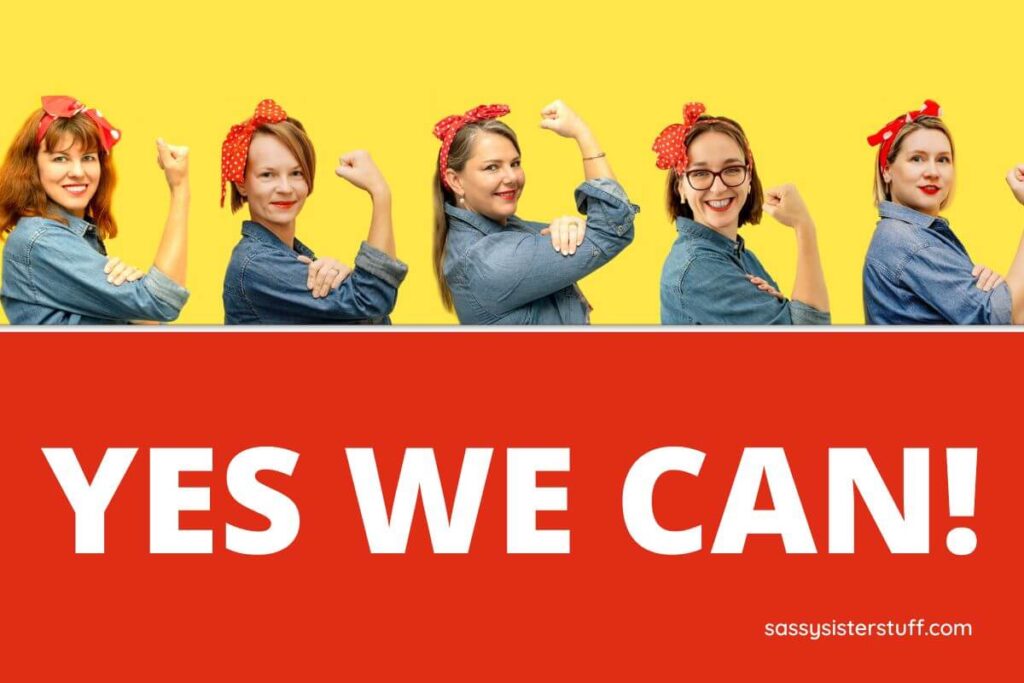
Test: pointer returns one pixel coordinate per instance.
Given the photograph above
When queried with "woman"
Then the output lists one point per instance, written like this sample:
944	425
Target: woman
917	271
56	186
495	268
710	277
272	277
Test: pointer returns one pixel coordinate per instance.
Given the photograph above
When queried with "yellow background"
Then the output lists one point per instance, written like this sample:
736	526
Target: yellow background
808	80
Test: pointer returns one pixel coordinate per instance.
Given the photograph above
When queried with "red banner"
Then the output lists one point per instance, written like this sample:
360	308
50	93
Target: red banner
826	471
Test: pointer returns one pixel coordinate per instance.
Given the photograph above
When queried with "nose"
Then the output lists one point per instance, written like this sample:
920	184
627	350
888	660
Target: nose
718	185
509	177
284	184
931	170
76	170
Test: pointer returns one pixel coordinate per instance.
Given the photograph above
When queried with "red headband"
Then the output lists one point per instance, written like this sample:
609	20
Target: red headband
234	152
886	136
447	127
64	107
671	143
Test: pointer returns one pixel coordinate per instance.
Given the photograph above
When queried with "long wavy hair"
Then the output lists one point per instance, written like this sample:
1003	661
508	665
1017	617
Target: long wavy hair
21	191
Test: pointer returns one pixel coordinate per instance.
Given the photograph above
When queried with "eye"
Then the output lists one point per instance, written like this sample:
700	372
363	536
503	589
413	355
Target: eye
945	160
916	158
297	173
60	158
265	174
517	163
699	175
90	157
491	167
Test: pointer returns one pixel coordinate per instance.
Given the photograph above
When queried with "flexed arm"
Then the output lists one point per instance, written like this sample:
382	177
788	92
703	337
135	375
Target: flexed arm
1015	276
559	118
172	253
785	205
358	168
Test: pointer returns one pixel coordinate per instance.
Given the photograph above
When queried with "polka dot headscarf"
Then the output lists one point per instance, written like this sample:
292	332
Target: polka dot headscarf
447	127
64	107
671	143
235	151
888	133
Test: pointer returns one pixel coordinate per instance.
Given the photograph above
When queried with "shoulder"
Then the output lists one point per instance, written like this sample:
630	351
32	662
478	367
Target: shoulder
36	236
30	228
896	236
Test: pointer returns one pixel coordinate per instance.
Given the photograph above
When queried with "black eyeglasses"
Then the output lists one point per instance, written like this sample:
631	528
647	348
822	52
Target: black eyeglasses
702	179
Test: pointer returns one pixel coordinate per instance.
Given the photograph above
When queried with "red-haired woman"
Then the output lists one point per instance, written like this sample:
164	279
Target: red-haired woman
272	278
56	186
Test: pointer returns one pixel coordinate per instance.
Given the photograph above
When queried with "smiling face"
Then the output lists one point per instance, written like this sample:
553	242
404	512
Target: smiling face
492	180
69	174
719	206
275	185
922	175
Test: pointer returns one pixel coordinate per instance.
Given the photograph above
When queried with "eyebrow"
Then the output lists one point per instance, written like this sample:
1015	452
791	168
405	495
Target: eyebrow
497	161
724	163
926	153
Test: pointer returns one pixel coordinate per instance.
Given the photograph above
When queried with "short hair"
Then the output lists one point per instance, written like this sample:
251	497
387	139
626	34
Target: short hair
750	212
292	135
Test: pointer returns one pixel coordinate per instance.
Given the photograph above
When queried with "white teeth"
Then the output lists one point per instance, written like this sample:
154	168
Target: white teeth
719	203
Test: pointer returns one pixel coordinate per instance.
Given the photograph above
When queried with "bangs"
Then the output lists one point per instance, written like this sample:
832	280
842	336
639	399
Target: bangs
79	129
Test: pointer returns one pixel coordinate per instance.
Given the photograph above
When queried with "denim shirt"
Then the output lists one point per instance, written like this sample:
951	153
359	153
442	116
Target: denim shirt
704	282
918	272
510	275
265	284
53	275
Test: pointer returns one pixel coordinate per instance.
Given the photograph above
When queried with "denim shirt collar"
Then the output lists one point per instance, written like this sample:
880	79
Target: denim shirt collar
905	214
718	241
76	225
263	235
481	222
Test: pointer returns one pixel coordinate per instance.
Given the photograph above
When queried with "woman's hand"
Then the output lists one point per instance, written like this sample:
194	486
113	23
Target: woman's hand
173	159
763	285
118	272
785	205
325	274
558	117
1015	179
566	234
358	168
988	279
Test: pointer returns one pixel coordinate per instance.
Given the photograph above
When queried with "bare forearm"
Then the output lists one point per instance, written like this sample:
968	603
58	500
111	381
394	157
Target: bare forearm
172	254
595	164
1015	281
382	234
809	286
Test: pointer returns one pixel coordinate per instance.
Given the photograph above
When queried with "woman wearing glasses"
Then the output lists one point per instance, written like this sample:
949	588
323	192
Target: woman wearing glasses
709	277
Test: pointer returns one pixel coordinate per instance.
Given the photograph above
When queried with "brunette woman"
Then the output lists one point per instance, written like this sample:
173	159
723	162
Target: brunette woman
713	189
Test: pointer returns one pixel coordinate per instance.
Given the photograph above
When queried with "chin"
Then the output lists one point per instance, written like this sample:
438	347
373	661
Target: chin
720	221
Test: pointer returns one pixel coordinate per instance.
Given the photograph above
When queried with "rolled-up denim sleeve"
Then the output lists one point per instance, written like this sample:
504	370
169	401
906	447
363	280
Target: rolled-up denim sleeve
509	269
274	282
938	276
67	274
718	293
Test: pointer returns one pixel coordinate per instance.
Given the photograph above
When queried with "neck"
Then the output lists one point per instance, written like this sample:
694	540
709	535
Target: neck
77	213
500	220
731	231
284	232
